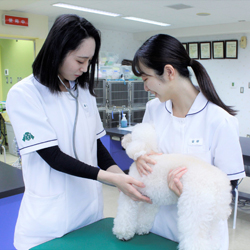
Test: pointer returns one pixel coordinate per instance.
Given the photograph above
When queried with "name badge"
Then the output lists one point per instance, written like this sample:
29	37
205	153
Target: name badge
196	142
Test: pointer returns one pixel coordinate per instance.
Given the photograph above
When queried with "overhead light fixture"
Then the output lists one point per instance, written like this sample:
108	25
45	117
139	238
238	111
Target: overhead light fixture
74	7
180	6
146	21
203	14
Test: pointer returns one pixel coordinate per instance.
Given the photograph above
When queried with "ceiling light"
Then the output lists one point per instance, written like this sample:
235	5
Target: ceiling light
203	14
180	6
74	7
146	21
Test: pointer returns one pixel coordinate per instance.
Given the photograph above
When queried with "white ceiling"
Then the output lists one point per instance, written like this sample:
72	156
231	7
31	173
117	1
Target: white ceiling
222	12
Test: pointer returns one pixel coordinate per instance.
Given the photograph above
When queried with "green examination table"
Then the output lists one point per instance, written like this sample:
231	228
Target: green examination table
98	236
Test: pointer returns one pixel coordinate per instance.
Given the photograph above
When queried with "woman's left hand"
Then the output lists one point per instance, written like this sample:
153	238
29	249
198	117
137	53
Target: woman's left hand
174	182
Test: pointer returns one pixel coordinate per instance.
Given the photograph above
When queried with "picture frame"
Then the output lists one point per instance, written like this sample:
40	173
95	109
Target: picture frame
193	50
218	50
185	46
205	50
231	49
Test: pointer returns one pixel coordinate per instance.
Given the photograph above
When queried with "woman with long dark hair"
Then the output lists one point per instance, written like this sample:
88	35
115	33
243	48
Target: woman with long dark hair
58	129
188	119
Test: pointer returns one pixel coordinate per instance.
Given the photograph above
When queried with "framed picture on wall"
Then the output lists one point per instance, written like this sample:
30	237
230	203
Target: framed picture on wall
185	46
205	50
218	49
193	50
231	47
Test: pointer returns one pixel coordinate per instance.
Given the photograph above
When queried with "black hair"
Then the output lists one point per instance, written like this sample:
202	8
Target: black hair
66	35
160	50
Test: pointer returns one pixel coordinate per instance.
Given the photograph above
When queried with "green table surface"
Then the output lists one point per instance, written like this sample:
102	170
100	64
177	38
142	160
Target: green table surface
99	236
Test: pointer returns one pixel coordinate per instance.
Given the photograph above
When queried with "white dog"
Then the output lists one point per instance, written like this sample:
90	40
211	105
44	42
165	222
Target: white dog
204	202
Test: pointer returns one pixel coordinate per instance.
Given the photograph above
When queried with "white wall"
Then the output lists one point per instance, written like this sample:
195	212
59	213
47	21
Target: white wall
225	71
121	43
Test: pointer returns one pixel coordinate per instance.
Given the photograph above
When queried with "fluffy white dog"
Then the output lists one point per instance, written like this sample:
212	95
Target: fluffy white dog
204	202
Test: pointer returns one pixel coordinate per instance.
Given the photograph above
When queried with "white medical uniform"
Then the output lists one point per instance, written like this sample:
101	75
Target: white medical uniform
54	203
207	132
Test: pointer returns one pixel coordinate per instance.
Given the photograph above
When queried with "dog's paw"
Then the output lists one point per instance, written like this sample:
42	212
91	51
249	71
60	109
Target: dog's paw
124	240
123	234
141	231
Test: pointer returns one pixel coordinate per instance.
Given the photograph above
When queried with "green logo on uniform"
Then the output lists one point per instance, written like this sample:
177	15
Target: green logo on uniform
27	136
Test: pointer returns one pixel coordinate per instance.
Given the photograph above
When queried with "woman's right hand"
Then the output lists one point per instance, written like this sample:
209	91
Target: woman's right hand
142	163
123	182
126	184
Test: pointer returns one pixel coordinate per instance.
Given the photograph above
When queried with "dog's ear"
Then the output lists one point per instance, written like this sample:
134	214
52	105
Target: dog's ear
126	140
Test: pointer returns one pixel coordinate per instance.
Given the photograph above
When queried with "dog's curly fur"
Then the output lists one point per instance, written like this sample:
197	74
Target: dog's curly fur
204	202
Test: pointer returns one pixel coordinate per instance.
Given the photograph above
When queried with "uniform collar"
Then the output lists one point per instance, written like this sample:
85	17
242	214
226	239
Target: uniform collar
199	104
72	84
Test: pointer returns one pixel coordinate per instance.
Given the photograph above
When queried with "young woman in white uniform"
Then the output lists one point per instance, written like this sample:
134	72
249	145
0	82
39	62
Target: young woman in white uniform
187	119
59	159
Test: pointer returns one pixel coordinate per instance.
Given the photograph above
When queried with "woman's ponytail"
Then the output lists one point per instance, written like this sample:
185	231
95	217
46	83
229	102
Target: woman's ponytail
207	87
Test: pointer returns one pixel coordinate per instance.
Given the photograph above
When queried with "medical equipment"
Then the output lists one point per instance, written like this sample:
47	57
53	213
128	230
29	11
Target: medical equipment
76	115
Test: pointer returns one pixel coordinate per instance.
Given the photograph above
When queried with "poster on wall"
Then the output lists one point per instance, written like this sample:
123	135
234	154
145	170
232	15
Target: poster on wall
205	50
193	50
231	49
218	49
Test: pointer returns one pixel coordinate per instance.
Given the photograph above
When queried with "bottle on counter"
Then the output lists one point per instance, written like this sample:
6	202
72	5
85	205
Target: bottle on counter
124	122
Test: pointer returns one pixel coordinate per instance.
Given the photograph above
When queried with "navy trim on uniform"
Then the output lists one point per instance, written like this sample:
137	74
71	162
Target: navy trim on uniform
100	132
167	108
36	144
188	114
199	110
237	173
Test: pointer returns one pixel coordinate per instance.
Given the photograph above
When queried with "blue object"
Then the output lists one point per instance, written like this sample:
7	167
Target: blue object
124	122
9	208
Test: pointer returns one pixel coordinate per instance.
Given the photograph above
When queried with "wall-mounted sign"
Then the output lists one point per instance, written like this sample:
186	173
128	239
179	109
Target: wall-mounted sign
16	21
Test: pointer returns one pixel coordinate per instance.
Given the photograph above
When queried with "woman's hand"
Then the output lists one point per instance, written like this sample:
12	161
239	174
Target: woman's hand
123	182
126	184
142	163
174	182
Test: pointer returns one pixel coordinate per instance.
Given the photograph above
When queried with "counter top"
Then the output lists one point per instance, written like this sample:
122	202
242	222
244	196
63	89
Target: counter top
11	180
245	145
116	132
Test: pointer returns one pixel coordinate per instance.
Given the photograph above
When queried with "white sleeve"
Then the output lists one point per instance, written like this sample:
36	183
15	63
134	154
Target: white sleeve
30	124
147	117
226	149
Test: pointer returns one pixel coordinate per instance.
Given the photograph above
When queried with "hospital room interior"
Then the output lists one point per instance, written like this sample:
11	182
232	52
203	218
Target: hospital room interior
216	33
